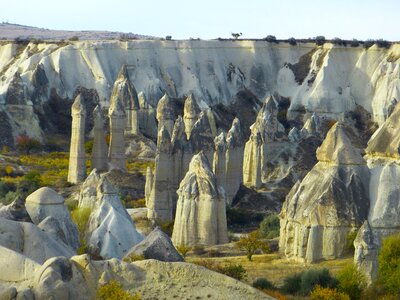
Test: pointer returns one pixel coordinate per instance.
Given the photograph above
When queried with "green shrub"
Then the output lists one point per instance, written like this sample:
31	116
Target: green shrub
351	281
6	187
351	236
269	227
113	291
80	216
89	146
263	284
389	264
320	40
321	293
233	270
303	283
251	243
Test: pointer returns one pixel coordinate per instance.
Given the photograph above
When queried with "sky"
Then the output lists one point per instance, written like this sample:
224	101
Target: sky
208	19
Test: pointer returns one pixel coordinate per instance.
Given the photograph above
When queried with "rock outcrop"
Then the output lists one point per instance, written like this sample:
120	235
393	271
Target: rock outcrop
201	209
191	111
44	203
234	160
110	231
99	152
149	184
382	154
219	162
15	211
126	94
147	117
264	143
117	115
77	155
166	113
331	201
157	245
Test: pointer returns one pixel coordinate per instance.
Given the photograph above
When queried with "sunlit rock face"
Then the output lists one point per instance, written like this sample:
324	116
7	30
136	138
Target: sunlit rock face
265	142
213	71
382	154
166	113
201	210
77	154
331	201
99	152
191	113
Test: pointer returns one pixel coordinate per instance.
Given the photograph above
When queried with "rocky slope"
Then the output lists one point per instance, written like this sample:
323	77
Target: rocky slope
328	79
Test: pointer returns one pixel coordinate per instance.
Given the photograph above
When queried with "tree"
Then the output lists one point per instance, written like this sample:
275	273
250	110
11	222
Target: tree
27	144
351	282
292	41
389	264
271	39
251	244
320	40
236	35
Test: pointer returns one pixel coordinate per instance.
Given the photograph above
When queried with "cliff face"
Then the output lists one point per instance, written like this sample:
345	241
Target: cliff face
324	79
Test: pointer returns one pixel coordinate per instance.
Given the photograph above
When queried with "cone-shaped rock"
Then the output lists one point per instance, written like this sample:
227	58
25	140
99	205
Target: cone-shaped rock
219	162
149	184
147	117
77	154
166	113
331	201
99	152
191	111
116	150
201	209
234	160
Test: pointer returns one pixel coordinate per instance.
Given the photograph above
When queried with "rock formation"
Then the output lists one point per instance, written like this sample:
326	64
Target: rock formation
147	117
191	113
160	203
99	152
15	211
44	203
201	209
382	154
234	160
149	184
264	143
126	94
331	201
77	155
166	113
157	245
219	162
117	115
110	230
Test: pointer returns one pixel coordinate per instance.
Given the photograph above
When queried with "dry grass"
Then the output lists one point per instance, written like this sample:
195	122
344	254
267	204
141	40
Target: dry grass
272	267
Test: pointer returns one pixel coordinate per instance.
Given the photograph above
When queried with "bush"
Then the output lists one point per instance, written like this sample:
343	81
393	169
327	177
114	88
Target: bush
389	264
27	144
251	244
354	43
352	282
5	188
89	147
368	43
263	284
269	227
292	41
321	293
80	216
271	39
231	270
351	236
320	40
113	291
303	283
74	38
383	44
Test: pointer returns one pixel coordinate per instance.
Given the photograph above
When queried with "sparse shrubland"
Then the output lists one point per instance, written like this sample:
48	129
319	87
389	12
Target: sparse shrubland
252	243
114	291
269	227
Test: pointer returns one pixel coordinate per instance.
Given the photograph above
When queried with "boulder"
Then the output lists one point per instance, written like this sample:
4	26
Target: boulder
16	211
157	245
46	202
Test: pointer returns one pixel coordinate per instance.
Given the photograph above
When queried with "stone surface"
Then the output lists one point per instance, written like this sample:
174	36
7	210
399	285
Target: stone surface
166	113
15	211
149	183
331	201
147	117
46	202
219	162
201	209
77	155
30	241
99	152
234	160
117	115
191	111
157	245
110	230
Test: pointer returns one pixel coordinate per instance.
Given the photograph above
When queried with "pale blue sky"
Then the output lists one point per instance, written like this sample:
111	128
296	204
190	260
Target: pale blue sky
360	19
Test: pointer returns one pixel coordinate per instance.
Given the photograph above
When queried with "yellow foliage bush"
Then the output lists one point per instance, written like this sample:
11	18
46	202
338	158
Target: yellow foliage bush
114	291
320	293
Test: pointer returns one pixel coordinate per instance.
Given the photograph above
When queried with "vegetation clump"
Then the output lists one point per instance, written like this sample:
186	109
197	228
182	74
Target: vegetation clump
270	226
114	291
252	243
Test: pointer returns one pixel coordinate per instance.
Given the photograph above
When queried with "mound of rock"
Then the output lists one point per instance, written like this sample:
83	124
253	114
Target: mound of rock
157	245
328	203
15	211
44	203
